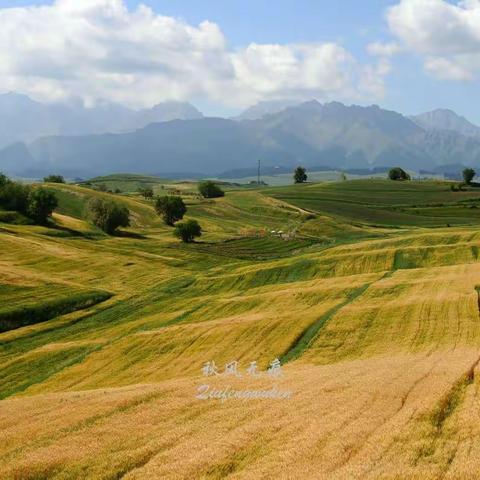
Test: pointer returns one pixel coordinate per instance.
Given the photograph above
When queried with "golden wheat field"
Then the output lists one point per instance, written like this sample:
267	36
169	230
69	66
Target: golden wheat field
377	329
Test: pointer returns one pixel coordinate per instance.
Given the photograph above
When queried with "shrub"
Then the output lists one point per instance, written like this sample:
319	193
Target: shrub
300	175
107	214
187	231
209	189
468	175
170	208
54	179
41	204
398	173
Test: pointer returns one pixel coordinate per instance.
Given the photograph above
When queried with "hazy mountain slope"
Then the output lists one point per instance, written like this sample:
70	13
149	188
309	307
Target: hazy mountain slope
444	119
344	136
207	145
17	160
447	147
25	120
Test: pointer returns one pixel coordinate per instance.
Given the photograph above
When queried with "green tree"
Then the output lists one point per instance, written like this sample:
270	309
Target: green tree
188	230
3	180
170	208
398	173
147	193
14	195
468	175
54	179
300	175
41	204
209	189
107	214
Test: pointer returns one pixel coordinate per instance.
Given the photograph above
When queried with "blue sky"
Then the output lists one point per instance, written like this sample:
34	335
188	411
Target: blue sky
414	83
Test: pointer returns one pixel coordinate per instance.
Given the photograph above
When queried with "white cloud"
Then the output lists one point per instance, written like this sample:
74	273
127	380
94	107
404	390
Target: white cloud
446	35
446	69
98	49
383	49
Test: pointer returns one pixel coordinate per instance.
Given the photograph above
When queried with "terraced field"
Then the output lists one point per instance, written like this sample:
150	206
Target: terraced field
376	323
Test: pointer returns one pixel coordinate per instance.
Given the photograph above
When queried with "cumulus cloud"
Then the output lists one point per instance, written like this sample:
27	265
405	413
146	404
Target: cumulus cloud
98	49
446	35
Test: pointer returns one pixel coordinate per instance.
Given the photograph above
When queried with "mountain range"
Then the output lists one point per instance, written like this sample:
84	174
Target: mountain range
175	137
25	120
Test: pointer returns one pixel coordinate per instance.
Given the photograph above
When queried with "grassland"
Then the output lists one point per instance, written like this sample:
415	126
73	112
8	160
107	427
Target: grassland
382	202
373	312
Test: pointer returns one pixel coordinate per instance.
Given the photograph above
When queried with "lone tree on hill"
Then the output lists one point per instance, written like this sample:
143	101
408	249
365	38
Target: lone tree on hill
300	175
209	189
398	173
188	230
468	175
171	208
41	204
54	179
107	214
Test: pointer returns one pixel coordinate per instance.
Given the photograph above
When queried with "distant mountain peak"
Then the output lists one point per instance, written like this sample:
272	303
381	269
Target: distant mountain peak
266	107
446	119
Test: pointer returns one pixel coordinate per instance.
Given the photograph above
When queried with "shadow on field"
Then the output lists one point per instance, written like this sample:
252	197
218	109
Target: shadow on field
124	234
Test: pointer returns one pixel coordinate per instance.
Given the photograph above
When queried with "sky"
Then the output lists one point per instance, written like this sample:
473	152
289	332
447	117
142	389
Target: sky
223	56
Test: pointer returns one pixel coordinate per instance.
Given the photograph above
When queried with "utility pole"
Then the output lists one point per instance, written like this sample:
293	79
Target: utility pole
258	177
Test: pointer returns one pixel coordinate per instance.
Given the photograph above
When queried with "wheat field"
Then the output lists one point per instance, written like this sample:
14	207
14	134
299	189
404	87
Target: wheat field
377	328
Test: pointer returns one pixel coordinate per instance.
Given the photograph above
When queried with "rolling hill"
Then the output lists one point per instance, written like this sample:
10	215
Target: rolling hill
372	311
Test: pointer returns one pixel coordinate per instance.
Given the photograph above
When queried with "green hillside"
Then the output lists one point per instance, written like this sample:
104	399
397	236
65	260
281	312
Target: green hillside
383	202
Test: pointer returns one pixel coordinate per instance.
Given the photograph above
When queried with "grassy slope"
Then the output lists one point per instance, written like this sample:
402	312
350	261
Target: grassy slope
379	327
383	202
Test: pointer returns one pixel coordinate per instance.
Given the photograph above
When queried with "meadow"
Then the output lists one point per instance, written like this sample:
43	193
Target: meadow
371	304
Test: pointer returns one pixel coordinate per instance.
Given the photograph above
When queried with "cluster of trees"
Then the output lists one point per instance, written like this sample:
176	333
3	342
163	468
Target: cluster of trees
172	209
54	179
146	193
209	189
35	203
398	173
107	214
